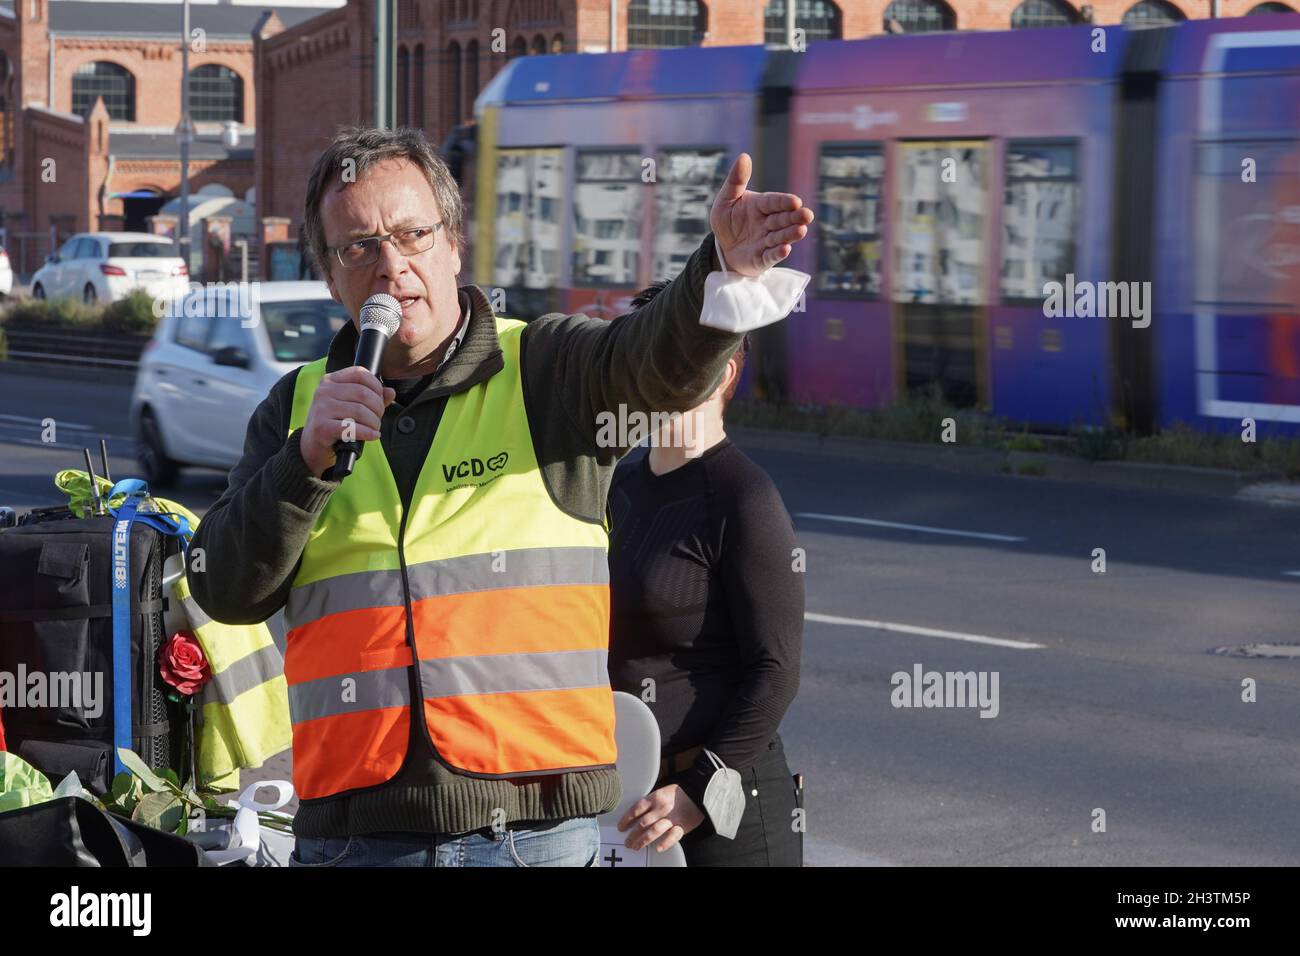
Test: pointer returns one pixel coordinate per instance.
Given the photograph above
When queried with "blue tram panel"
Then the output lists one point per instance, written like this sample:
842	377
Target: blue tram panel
958	179
1228	249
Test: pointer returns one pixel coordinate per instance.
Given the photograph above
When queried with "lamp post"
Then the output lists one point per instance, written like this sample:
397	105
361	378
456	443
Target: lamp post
385	63
185	133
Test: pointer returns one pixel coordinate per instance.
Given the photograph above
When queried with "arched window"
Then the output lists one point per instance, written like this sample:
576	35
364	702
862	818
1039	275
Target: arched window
1269	8
539	45
1043	13
1152	13
819	20
454	83
519	48
417	86
403	86
919	16
216	94
114	83
471	71
655	24
557	44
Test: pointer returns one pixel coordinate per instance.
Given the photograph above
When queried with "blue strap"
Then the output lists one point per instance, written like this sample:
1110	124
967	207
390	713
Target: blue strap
168	522
122	627
136	492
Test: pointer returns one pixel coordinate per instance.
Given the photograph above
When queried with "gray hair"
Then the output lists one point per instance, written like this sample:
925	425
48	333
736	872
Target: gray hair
365	147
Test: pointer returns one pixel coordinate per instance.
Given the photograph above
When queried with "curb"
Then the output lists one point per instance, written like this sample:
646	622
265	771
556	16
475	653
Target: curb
988	461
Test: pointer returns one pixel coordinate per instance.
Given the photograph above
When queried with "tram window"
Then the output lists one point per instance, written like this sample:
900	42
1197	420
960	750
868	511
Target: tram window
687	180
1040	213
1248	225
942	203
850	186
529	185
607	205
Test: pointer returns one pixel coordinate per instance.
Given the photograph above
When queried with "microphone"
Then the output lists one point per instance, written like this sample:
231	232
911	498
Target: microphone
381	315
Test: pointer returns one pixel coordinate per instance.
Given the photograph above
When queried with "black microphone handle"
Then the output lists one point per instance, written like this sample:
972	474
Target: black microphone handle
370	353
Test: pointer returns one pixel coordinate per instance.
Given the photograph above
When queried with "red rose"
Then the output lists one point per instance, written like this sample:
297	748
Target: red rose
182	663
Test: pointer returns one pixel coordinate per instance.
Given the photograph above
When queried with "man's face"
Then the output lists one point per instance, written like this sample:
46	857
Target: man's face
386	198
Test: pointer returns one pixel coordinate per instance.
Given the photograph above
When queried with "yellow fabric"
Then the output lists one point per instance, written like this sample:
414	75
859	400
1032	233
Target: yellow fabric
480	492
502	508
255	725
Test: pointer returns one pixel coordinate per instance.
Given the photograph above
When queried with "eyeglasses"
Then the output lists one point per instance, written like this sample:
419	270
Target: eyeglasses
409	242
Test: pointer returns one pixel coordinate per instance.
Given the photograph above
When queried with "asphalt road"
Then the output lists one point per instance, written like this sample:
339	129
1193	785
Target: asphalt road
1111	706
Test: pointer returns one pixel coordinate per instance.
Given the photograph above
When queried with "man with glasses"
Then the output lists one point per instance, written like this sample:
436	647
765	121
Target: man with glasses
447	604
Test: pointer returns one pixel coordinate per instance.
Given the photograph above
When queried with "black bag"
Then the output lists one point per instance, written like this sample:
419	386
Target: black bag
71	831
56	601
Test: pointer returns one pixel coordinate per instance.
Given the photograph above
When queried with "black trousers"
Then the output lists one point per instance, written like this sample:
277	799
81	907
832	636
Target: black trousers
770	833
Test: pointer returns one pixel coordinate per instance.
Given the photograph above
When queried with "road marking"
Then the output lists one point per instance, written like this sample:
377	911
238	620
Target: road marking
80	436
907	527
923	631
28	420
1292	574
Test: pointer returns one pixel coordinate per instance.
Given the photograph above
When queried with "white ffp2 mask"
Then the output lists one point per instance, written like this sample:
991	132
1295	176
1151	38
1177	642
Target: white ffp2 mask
736	303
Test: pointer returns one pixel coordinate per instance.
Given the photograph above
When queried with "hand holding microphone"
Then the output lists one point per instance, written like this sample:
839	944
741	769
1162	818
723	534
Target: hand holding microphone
351	395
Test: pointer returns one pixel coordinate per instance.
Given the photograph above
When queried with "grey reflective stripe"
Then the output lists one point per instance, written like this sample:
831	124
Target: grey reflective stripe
328	696
521	568
511	673
244	674
524	568
194	614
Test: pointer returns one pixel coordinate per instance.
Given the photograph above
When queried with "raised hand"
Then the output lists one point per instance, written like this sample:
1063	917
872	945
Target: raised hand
755	231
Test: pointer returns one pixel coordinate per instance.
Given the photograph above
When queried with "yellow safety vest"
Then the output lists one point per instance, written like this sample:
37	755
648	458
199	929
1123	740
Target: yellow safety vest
486	597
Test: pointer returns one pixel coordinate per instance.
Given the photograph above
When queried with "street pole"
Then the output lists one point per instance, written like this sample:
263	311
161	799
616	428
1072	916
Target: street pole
185	129
789	23
613	25
385	65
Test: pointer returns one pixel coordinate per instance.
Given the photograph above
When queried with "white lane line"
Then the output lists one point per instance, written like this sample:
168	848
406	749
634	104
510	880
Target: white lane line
1292	574
923	631
907	527
28	420
79	436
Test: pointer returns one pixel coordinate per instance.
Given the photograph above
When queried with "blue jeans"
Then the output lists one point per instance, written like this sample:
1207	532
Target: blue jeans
573	842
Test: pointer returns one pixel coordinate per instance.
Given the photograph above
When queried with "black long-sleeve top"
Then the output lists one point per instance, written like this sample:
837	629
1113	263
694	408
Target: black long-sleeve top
707	600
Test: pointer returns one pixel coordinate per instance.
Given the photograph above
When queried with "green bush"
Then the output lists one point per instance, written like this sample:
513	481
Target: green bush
59	313
1100	444
131	314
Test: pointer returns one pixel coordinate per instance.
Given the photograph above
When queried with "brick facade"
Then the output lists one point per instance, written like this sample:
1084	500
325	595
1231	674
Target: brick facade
37	125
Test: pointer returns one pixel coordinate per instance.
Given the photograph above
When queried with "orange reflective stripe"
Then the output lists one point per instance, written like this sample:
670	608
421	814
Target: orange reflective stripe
573	617
349	750
343	643
539	732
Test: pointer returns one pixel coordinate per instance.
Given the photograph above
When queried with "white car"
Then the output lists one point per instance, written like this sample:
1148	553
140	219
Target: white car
207	368
105	266
6	274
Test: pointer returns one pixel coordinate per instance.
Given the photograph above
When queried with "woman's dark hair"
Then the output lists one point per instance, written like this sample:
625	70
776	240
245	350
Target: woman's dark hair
653	289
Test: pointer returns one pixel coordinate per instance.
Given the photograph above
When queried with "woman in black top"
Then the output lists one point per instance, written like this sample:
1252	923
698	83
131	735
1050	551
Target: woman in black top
707	604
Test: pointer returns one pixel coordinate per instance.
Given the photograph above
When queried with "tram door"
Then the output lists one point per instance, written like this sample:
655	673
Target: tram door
939	274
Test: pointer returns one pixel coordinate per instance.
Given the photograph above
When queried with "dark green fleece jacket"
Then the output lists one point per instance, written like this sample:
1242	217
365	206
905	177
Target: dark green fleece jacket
658	358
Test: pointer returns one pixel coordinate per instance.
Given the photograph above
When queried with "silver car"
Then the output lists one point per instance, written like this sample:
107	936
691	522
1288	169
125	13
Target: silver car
212	360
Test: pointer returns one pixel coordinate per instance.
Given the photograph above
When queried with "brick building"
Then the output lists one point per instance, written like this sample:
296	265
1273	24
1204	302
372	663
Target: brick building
318	75
89	100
